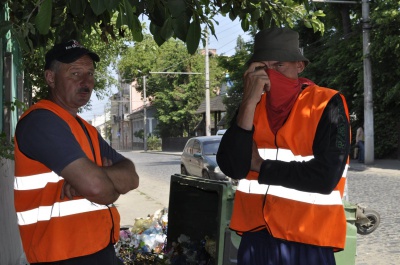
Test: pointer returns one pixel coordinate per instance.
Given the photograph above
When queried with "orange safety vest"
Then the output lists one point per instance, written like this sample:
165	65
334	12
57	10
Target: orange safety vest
289	214
53	229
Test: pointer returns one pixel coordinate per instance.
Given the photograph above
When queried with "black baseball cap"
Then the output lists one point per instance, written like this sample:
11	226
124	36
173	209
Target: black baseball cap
68	52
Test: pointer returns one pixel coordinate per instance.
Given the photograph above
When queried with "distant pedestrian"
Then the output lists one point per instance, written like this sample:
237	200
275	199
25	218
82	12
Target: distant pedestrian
360	144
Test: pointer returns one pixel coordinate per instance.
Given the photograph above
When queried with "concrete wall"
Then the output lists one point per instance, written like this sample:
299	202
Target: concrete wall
11	252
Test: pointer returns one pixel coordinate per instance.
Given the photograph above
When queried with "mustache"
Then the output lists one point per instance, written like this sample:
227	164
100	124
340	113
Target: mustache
84	90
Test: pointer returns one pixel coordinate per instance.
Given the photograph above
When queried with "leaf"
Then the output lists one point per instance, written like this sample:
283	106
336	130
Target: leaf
127	15
21	41
166	31
98	6
225	8
77	7
43	18
193	37
176	7
245	24
137	29
155	30
111	5
181	27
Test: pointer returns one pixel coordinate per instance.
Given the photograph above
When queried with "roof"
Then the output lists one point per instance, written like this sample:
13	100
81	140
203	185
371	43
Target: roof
216	105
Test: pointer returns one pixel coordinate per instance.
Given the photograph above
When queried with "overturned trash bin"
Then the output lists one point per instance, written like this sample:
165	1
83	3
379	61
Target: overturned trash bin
199	212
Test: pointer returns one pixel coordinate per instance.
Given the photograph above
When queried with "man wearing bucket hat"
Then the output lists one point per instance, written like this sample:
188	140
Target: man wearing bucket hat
288	145
66	175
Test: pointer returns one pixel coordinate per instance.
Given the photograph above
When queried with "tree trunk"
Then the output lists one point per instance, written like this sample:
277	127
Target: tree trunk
10	241
344	11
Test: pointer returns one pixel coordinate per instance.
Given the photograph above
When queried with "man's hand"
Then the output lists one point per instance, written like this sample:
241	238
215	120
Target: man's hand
256	83
107	162
68	191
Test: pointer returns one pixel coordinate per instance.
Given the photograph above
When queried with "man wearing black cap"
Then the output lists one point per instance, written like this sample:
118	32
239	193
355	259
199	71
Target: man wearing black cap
66	176
288	145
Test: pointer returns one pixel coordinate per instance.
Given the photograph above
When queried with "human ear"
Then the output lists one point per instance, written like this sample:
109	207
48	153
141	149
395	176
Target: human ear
49	75
300	66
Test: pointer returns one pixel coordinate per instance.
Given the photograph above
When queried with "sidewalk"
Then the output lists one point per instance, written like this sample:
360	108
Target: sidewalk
391	166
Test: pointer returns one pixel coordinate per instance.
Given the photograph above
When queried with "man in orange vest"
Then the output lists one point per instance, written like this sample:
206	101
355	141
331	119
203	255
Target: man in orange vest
66	175
288	145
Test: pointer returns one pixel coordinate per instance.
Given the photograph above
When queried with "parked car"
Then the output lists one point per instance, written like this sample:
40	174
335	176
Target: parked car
199	158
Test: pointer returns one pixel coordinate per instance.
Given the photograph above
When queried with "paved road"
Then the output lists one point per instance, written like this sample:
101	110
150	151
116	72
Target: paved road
154	171
377	187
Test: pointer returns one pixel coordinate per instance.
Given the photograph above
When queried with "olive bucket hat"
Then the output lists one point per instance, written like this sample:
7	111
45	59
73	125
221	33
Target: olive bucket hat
277	44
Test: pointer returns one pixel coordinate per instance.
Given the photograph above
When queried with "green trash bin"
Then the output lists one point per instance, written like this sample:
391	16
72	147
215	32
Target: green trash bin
199	208
348	255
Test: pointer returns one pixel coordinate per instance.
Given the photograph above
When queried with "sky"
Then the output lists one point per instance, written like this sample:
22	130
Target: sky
227	33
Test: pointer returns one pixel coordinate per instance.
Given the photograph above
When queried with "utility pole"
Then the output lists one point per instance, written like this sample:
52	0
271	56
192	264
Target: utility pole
207	127
144	115
368	99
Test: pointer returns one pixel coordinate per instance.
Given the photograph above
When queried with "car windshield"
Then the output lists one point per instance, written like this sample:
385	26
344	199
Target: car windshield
210	148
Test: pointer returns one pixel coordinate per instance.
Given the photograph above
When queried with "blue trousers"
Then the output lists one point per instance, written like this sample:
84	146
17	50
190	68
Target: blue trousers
260	248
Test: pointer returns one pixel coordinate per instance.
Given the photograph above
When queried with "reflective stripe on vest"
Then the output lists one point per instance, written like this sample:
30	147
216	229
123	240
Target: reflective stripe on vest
58	209
79	226
281	154
290	214
253	187
33	182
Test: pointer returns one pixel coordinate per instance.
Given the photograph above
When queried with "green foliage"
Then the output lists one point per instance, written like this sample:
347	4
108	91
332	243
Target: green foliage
139	134
175	96
337	62
235	66
34	23
154	143
34	65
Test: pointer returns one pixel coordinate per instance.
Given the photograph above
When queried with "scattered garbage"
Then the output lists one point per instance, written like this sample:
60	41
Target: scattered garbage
146	243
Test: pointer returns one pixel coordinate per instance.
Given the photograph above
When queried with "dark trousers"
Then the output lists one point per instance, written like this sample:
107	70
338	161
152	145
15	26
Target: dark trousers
106	256
260	247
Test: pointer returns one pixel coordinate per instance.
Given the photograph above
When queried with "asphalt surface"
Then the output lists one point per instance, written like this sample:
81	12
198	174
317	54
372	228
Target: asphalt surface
376	186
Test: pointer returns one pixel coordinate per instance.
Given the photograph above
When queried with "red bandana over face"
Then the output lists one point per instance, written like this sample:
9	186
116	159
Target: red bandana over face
280	98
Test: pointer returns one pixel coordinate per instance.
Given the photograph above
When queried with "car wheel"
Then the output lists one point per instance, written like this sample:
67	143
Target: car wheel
205	174
183	170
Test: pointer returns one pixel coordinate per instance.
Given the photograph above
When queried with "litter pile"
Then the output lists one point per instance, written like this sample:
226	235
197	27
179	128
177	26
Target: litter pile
146	243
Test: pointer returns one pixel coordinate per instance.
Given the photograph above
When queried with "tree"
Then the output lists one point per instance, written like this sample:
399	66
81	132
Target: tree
337	62
235	66
176	97
37	25
34	23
